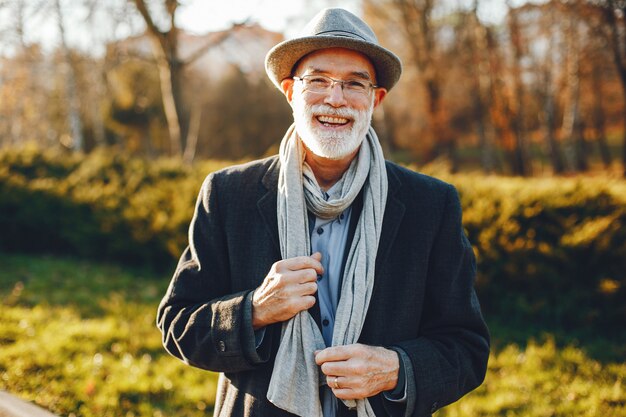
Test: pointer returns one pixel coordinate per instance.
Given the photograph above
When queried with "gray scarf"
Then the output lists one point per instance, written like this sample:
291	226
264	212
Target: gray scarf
296	378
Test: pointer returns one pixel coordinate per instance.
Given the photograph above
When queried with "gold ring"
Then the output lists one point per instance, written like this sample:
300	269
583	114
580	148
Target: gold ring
336	382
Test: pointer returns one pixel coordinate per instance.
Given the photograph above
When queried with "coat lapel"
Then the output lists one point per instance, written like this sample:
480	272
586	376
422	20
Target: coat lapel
394	212
267	203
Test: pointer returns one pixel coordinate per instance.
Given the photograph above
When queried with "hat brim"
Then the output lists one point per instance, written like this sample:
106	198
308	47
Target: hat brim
281	59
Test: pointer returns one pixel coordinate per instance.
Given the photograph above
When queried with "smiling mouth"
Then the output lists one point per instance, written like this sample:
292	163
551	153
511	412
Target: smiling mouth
332	121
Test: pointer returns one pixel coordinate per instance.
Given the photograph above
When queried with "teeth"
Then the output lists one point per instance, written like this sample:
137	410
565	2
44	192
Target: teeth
333	120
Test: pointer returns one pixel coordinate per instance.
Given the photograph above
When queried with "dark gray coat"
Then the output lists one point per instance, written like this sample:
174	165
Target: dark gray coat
423	299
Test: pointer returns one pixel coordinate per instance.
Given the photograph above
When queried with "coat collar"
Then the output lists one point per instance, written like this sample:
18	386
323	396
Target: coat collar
394	209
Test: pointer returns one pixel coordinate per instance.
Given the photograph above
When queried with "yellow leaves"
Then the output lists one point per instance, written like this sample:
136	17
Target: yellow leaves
588	231
609	286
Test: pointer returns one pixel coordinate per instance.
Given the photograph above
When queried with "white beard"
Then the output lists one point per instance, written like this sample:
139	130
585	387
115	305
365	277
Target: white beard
326	144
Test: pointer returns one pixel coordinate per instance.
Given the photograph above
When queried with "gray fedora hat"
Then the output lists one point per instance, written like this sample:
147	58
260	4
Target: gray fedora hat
333	28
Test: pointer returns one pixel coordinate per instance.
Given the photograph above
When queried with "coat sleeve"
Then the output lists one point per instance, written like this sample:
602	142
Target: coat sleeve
449	358
202	321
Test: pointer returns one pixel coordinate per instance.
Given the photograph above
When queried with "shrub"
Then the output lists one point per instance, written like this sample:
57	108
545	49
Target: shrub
553	250
549	251
100	206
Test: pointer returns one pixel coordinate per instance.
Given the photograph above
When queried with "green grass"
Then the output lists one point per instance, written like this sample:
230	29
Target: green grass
79	338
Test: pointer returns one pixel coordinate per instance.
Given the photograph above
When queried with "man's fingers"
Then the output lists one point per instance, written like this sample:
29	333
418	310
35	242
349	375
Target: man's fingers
304	262
308	288
346	394
335	353
344	387
339	368
305	275
309	301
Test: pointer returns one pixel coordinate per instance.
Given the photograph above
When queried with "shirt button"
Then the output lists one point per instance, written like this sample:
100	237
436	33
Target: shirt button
325	322
341	216
221	346
319	277
320	230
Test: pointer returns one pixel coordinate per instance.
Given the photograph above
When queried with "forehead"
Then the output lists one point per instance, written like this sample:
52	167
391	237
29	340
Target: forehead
338	62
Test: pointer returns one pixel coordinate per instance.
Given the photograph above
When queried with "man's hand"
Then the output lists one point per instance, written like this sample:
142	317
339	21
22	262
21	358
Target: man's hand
359	371
286	290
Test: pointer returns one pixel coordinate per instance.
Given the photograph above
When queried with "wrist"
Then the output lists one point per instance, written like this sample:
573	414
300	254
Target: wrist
257	314
394	369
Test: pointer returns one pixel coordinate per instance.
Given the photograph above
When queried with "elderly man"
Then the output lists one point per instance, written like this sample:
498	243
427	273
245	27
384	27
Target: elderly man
326	281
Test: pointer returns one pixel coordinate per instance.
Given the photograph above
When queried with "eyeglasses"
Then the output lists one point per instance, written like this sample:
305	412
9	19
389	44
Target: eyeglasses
322	84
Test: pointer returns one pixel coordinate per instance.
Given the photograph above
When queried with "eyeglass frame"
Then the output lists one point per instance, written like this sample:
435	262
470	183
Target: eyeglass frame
334	81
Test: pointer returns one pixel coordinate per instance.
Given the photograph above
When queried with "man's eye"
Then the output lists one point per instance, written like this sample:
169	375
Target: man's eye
355	85
318	81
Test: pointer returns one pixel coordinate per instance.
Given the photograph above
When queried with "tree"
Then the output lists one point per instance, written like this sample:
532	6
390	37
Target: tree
473	52
575	151
614	14
518	152
606	20
34	114
171	70
67	68
417	25
547	87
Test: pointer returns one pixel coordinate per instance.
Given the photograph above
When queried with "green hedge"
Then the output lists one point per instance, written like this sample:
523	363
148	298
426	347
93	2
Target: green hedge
550	251
101	206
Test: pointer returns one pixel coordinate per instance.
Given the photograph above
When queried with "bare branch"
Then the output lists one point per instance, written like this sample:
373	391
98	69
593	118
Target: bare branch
147	17
221	37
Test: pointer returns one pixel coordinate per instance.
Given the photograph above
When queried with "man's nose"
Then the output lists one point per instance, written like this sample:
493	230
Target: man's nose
335	96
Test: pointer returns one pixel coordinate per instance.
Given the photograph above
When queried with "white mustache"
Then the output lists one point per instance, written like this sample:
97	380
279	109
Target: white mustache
326	110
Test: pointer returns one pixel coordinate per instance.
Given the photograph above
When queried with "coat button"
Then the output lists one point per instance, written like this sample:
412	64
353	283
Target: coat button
222	346
434	407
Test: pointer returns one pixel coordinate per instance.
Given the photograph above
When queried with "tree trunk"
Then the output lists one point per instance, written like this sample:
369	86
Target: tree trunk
75	123
617	40
384	130
192	135
549	101
170	107
624	131
165	48
519	157
622	73
438	125
480	83
416	19
599	123
575	152
554	150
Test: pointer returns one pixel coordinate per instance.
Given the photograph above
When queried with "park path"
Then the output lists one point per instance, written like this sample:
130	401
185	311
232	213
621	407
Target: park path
11	406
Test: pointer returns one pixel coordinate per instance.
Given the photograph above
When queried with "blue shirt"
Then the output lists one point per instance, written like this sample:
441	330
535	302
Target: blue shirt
330	237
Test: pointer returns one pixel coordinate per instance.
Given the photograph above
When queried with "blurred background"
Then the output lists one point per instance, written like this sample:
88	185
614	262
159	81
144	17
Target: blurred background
113	112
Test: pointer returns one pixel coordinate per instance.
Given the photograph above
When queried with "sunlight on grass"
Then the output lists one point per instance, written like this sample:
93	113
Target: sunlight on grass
99	360
543	380
79	339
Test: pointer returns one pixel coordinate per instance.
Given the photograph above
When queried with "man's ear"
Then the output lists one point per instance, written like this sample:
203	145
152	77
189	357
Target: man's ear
287	86
379	96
